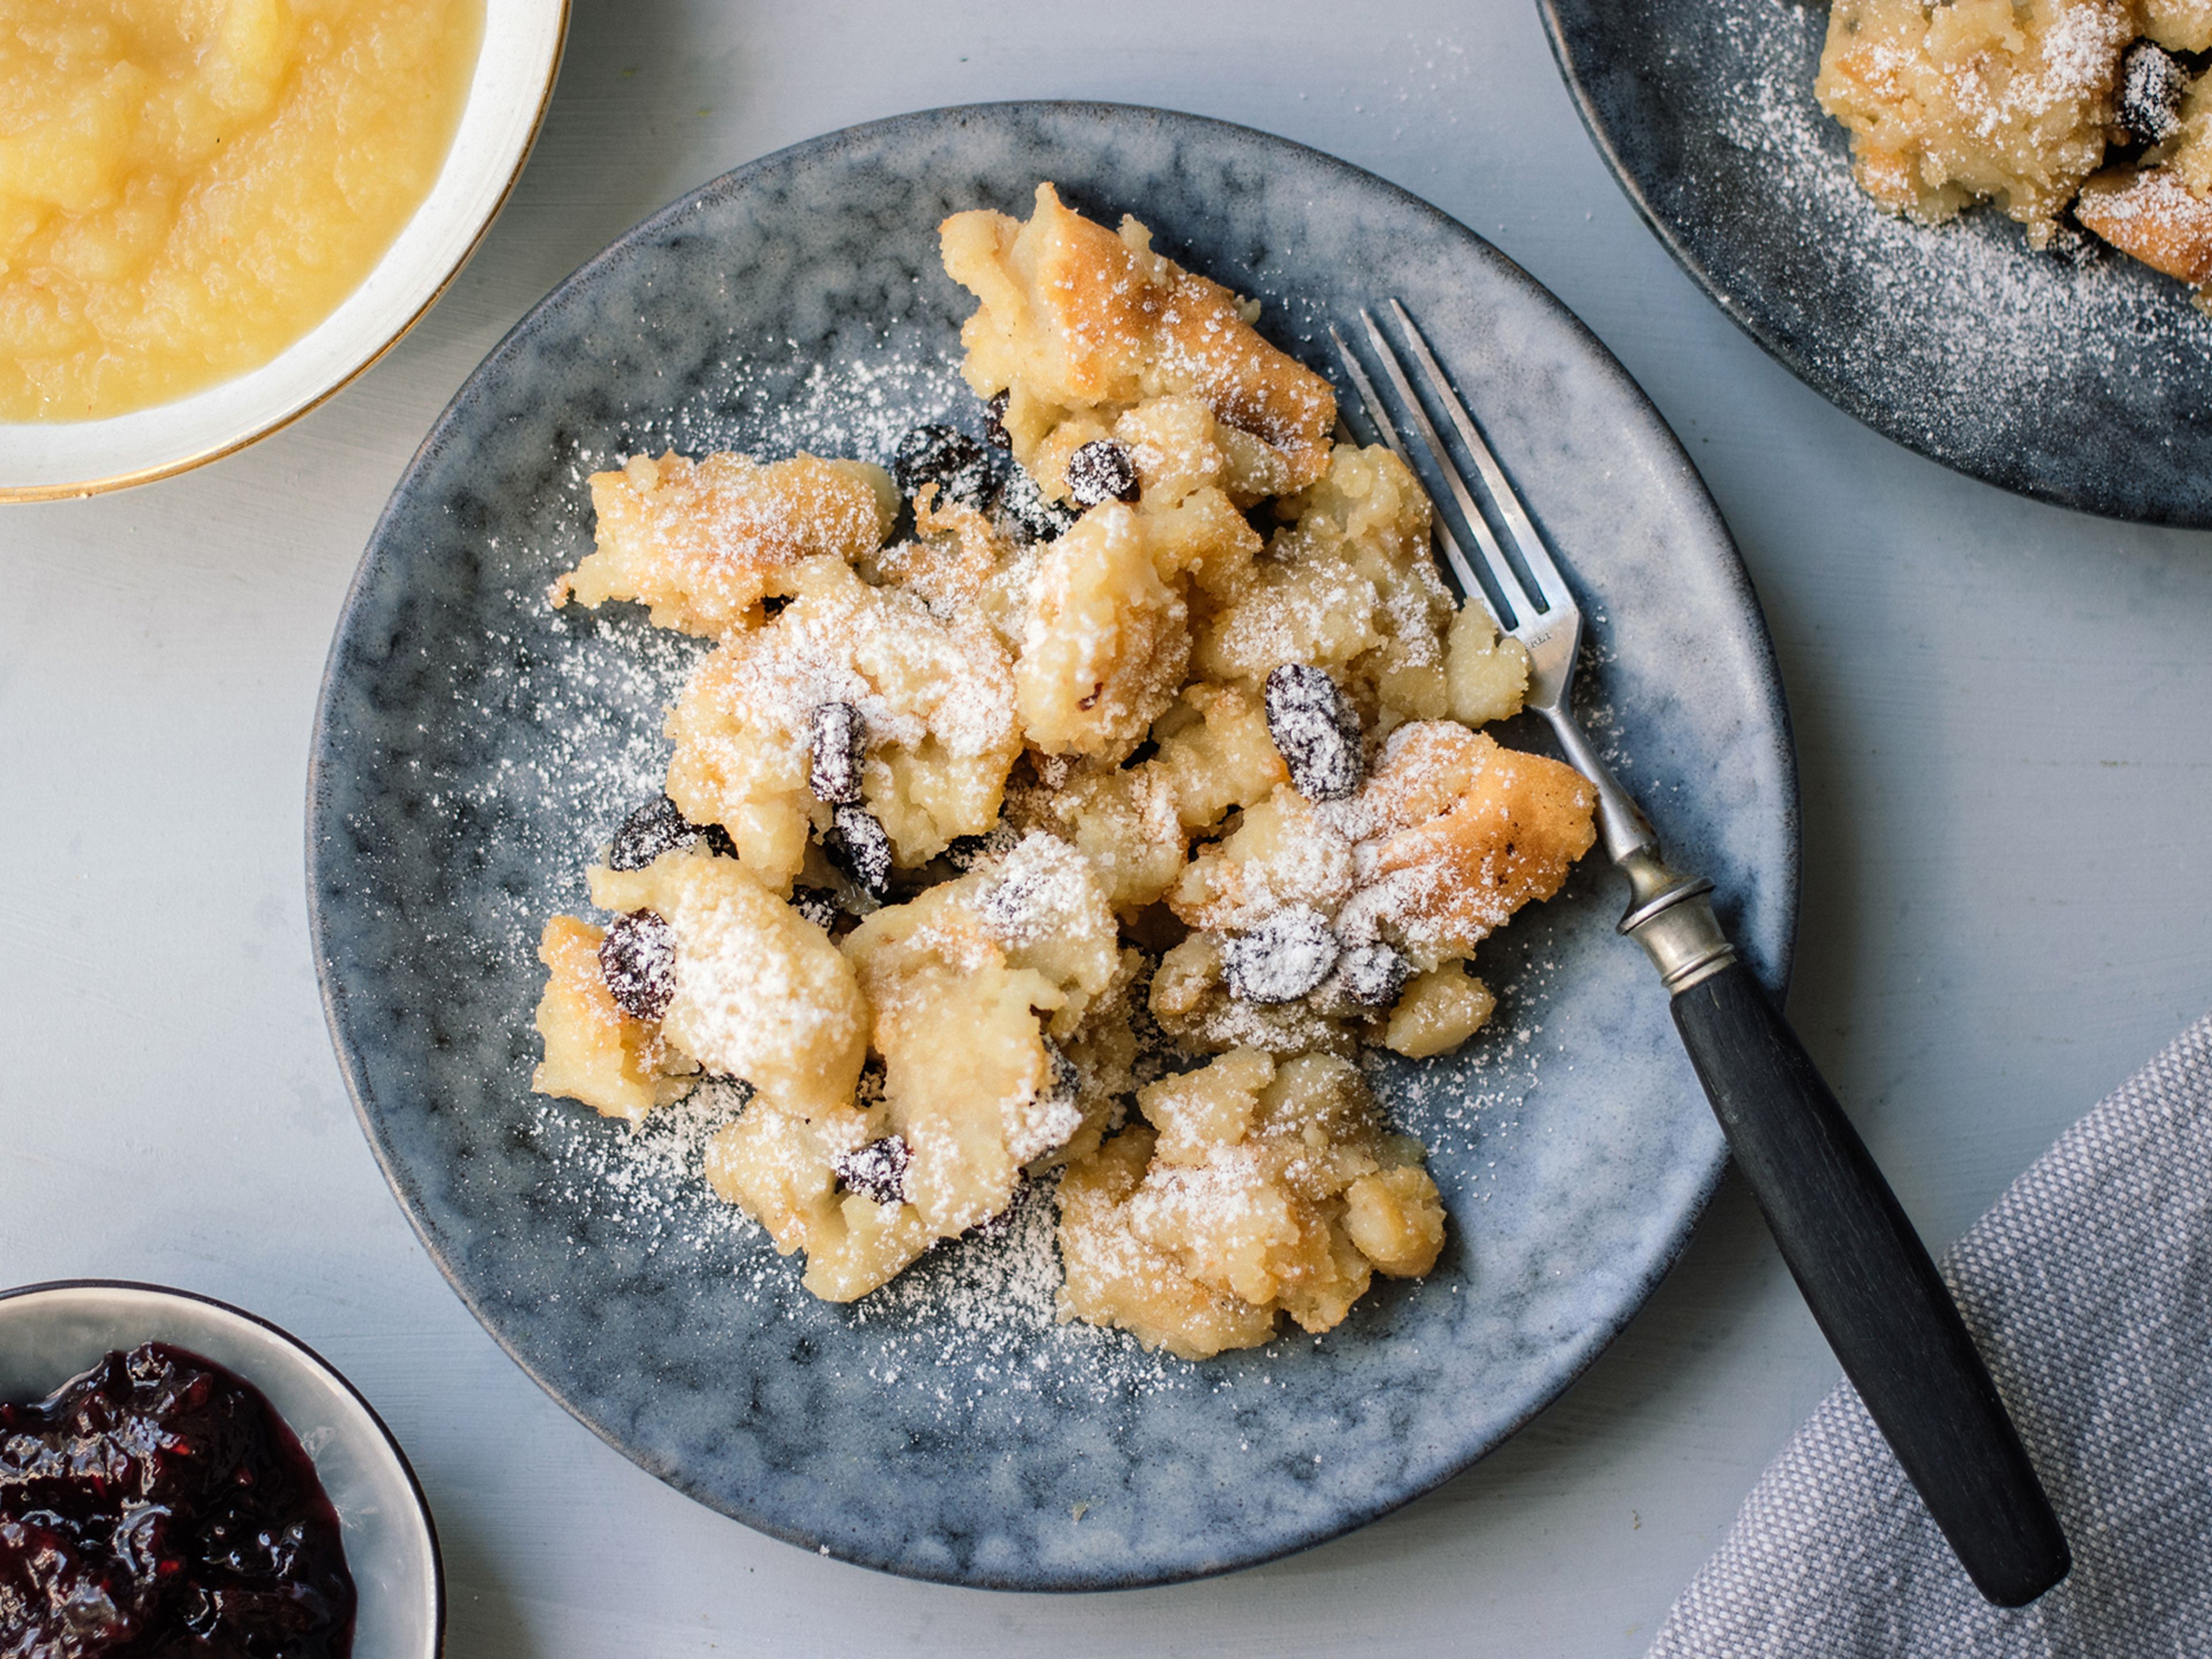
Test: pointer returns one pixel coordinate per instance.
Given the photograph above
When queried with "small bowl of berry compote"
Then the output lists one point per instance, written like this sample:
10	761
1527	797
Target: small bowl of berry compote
178	1476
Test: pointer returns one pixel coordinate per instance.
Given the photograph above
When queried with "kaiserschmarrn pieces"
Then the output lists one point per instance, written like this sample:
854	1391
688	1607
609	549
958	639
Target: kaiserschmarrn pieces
1456	832
1255	1187
825	1182
1084	834
1080	324
2003	100
702	543
753	989
1319	924
1348	585
924	710
2039	106
1104	643
2152	215
1134	822
618	1065
2159	211
971	987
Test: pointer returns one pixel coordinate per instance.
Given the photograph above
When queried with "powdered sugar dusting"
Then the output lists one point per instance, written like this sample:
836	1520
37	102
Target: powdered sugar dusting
974	1317
1042	888
1479	1102
648	1176
1960	332
753	1002
977	1316
879	652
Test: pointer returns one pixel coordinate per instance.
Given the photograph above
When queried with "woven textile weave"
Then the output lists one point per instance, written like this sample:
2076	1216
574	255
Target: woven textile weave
2089	1287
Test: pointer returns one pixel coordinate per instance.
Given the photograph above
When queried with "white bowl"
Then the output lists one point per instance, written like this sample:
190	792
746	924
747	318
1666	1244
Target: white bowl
51	1333
514	82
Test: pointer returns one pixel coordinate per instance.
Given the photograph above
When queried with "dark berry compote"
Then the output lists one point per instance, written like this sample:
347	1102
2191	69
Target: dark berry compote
158	1508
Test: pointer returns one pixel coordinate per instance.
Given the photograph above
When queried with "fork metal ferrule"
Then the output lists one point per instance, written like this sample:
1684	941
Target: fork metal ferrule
1671	915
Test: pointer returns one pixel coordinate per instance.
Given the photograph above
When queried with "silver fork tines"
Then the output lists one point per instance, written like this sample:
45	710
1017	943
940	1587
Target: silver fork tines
1470	584
1540	613
1534	556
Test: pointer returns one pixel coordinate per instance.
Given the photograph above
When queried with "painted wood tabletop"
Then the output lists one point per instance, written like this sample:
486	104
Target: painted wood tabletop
2004	720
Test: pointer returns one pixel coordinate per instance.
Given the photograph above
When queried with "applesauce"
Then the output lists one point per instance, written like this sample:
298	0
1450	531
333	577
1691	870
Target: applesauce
187	187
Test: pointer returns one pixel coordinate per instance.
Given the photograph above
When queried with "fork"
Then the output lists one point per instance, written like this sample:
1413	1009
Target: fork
1862	1270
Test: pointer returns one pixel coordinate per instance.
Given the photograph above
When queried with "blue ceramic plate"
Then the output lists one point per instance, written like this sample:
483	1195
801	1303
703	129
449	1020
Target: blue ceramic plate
2085	385
475	749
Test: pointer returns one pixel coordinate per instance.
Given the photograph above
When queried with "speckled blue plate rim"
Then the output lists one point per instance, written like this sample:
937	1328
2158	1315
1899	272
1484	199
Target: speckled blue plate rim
392	1441
1837	391
2005	473
1573	1363
1845	397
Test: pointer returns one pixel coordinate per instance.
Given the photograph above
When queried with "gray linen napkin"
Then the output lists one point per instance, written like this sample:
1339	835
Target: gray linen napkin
2090	1288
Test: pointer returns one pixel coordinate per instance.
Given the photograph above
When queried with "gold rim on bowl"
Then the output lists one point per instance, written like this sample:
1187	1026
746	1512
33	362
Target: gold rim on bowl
231	443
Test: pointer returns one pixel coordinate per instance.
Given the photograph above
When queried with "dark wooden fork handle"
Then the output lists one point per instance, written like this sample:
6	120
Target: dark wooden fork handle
1870	1284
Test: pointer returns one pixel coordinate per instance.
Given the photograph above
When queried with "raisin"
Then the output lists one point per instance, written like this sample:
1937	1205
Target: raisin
1283	958
637	959
2152	82
659	827
817	904
994	423
1022	511
837	748
1101	471
857	845
963	853
1373	974
1315	732
949	459
876	1170
655	828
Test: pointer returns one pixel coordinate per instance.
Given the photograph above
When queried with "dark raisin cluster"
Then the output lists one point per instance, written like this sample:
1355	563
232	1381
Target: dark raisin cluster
837	749
637	959
1023	512
859	845
819	905
1102	470
960	467
1287	955
2152	82
876	1170
966	472
1373	974
1315	730
658	827
964	852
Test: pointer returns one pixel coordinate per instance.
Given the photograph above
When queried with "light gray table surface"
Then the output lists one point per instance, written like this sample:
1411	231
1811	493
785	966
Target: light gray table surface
2004	715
